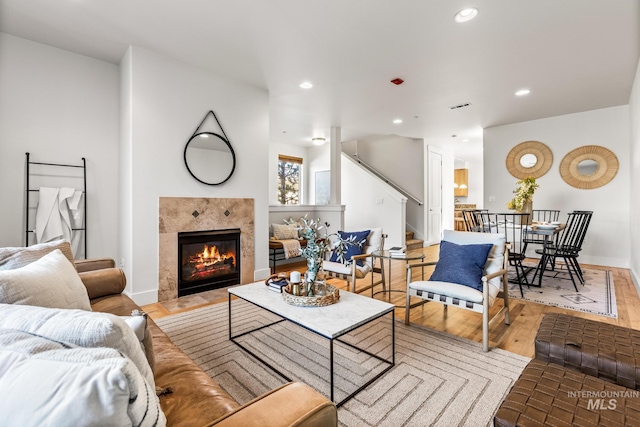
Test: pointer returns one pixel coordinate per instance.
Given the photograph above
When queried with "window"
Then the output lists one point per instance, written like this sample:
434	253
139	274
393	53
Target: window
289	173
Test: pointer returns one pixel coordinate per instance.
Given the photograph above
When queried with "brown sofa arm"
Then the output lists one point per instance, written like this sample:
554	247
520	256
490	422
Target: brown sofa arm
107	281
293	404
83	265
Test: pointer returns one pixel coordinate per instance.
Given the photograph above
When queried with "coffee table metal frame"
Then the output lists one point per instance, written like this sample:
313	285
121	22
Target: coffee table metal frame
335	337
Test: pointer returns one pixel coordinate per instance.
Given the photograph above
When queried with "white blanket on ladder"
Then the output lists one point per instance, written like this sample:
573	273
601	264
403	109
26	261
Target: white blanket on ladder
59	211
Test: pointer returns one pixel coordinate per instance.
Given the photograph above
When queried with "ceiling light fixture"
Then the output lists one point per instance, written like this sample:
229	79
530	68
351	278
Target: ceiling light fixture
466	15
306	85
523	92
318	141
397	121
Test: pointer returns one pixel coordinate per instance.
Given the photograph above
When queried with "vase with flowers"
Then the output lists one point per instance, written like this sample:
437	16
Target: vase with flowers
319	242
523	200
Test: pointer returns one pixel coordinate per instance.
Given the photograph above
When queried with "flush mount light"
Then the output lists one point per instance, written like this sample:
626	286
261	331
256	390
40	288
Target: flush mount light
397	121
306	85
318	141
466	14
523	92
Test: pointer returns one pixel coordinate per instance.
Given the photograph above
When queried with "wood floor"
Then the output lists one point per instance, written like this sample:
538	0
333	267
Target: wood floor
518	337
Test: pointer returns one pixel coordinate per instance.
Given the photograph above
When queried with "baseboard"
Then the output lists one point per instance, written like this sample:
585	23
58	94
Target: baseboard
636	280
144	298
261	274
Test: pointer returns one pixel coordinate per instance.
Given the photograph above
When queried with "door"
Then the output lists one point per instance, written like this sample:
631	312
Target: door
434	197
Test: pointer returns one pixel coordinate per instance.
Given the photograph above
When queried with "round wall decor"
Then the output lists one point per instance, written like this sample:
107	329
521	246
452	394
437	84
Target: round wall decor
529	158
590	166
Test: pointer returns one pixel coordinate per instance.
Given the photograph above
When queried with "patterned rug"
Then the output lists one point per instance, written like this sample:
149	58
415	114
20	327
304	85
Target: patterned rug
596	296
438	379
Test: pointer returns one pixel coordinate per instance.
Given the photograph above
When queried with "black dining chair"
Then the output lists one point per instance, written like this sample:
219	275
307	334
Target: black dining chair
512	225
567	247
540	215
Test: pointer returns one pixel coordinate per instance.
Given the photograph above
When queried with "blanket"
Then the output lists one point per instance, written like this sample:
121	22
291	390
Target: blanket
291	248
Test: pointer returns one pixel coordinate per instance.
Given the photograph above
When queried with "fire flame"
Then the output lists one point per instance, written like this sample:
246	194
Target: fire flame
211	255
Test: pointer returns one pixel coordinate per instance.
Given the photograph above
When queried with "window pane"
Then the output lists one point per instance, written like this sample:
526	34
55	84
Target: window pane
289	183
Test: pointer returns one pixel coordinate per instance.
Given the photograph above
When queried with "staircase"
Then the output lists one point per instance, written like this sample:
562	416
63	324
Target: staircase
411	242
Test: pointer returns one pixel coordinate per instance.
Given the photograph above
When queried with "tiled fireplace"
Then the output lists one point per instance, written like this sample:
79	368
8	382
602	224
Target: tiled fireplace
222	226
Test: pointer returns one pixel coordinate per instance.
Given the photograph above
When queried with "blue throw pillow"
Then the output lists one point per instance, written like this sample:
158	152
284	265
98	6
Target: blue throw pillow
351	243
461	264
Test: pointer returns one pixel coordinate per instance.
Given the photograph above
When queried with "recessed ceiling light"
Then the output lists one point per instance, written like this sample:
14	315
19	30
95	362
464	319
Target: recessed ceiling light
466	14
397	121
523	92
465	140
318	141
306	85
204	135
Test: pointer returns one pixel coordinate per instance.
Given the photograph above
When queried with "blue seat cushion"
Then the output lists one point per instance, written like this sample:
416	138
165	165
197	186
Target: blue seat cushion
461	264
351	243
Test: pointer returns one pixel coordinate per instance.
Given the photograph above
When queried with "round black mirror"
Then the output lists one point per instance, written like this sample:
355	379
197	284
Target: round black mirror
209	158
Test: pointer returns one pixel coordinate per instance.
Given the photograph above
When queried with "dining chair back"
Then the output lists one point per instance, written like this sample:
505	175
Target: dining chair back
513	226
472	219
568	246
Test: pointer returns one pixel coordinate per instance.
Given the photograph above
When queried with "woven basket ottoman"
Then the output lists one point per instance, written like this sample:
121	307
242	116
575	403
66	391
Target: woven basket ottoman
547	394
594	348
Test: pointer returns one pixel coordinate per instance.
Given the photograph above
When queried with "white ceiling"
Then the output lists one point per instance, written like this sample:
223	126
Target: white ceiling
574	55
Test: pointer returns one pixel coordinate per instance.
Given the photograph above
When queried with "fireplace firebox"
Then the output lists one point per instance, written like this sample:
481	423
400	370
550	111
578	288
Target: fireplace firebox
208	260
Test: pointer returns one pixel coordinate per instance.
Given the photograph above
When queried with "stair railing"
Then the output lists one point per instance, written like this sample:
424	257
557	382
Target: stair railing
387	180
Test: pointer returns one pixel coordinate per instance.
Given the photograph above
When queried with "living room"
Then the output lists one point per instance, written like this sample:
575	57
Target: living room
131	116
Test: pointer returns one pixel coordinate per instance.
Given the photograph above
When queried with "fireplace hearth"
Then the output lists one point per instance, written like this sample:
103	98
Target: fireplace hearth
208	260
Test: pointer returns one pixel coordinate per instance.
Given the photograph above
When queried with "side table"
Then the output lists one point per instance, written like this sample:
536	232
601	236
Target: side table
386	255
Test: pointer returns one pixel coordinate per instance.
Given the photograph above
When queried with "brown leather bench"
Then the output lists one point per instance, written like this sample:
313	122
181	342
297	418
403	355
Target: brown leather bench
585	373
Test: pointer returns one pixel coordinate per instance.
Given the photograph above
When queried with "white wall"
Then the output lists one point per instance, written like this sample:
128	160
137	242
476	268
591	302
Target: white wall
634	190
60	107
360	192
608	240
401	160
167	100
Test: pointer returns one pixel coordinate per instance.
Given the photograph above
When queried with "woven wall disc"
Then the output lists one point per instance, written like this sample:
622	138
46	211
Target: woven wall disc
607	167
538	149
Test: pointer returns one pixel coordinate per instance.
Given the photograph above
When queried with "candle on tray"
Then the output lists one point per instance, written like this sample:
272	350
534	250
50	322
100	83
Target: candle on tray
295	277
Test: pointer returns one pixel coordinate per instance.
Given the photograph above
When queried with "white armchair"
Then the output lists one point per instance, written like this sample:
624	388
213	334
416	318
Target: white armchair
353	271
492	285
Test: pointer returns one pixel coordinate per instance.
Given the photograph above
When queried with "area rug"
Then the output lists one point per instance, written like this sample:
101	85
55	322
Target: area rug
596	296
438	379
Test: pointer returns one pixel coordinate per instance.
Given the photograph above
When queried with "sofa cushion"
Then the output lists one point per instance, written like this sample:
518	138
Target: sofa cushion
461	264
50	281
47	382
13	257
284	231
78	327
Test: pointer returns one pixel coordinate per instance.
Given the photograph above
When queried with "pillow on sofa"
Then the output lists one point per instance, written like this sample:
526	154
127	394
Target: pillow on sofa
352	243
461	264
78	327
47	382
11	258
50	281
284	231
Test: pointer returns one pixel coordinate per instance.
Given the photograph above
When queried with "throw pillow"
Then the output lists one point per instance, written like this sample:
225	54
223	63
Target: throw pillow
51	281
349	245
47	382
79	327
284	231
461	264
11	258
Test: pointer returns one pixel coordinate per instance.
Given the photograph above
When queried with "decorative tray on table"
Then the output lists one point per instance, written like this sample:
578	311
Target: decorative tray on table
331	296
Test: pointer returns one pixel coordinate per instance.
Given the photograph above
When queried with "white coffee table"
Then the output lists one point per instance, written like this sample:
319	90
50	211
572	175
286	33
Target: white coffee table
331	322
